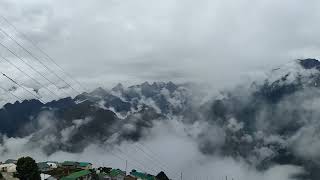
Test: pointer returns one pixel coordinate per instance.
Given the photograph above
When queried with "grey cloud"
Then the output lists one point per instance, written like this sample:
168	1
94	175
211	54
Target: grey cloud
211	41
183	155
218	42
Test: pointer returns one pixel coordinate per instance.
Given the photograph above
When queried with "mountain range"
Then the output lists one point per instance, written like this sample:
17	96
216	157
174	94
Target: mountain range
274	121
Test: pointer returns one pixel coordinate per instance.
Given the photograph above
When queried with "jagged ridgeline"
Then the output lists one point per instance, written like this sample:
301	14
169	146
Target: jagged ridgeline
94	117
273	121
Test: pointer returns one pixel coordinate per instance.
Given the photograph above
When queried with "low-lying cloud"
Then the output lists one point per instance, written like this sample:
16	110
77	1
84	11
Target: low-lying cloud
173	143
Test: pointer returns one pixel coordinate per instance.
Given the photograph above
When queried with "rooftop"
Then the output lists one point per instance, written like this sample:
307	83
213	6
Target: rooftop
116	172
74	163
11	161
76	175
70	163
84	164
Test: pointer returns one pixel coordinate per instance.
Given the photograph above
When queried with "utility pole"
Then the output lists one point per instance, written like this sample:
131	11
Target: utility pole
181	176
126	166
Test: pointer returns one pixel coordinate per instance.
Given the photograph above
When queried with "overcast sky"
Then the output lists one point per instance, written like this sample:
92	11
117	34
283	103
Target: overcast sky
103	42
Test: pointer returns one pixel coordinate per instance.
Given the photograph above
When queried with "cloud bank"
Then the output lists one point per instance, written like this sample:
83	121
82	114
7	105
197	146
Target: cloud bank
105	42
173	143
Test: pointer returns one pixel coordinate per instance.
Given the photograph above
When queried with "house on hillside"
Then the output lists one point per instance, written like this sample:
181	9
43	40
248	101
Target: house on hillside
142	176
104	176
47	177
70	164
85	165
114	174
53	164
76	165
9	168
117	174
80	175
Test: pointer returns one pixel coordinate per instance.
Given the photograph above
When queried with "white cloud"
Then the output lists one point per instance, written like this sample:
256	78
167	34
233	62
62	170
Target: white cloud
305	143
104	42
168	142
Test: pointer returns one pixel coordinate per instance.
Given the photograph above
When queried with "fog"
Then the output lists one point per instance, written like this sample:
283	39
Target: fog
172	146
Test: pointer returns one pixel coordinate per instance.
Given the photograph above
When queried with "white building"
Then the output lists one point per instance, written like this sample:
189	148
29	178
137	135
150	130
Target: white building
46	177
52	165
10	168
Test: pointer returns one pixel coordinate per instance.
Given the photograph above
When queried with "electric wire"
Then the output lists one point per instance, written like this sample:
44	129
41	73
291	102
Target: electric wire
37	59
51	71
15	82
43	52
33	79
25	62
17	97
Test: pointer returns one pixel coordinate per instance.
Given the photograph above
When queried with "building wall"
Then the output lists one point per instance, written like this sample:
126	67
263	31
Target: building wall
87	167
119	177
11	168
52	165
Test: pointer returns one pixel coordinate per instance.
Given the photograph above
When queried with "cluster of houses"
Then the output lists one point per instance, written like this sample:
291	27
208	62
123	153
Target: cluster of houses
71	170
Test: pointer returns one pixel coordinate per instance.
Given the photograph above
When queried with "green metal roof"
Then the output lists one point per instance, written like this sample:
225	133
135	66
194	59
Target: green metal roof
84	164
70	163
76	175
116	172
9	161
103	174
74	163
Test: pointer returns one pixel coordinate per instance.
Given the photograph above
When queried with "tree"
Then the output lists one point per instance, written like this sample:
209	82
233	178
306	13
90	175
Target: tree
1	177
27	169
162	176
105	169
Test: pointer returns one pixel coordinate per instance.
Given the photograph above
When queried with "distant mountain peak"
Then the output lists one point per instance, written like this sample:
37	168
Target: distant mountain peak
118	88
309	63
290	78
145	84
99	92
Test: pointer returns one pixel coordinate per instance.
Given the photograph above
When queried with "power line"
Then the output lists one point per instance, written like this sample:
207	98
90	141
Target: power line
15	82
153	157
37	59
21	59
33	79
119	157
152	169
137	162
130	157
157	163
141	164
51	59
18	98
149	156
43	52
